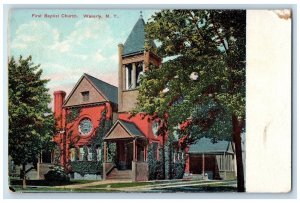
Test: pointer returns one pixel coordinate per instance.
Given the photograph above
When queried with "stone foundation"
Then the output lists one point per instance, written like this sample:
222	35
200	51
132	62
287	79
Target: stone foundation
227	175
77	176
106	167
140	171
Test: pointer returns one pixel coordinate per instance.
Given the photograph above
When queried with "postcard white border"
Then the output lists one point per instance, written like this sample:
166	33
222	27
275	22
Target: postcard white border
125	196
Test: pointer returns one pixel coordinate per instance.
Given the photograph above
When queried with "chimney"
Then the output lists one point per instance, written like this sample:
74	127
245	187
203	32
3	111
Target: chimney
59	97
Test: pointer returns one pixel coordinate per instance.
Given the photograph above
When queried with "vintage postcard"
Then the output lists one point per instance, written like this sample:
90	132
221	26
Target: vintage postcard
165	100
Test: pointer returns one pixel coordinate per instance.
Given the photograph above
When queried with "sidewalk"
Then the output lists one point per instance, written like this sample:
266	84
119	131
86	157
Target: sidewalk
153	185
100	182
177	184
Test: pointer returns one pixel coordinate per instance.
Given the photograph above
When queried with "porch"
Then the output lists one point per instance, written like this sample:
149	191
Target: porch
130	153
211	160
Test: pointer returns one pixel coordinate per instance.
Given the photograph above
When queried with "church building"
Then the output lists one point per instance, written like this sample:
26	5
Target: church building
123	149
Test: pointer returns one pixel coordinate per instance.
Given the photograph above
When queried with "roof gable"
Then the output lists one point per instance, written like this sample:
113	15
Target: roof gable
99	91
123	130
76	98
136	40
132	129
110	91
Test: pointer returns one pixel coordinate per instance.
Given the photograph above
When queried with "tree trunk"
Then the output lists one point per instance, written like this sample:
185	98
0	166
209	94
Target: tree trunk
237	129
170	161
23	176
163	158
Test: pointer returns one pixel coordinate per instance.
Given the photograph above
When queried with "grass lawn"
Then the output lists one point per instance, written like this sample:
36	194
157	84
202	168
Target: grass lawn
58	190
200	188
16	184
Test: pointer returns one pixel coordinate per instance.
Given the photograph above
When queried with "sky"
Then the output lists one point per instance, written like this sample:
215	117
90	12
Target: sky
68	47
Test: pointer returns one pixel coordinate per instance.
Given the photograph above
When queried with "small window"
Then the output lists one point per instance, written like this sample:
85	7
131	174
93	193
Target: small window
155	150
72	154
85	96
128	79
90	154
98	151
139	74
81	154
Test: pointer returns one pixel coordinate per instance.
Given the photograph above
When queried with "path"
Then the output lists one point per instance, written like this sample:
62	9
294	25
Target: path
154	186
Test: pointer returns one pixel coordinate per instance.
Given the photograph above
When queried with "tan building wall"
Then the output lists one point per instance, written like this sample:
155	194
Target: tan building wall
77	99
133	59
129	100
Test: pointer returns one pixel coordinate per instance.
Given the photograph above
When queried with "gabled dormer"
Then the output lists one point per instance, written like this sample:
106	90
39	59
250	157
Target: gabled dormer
90	91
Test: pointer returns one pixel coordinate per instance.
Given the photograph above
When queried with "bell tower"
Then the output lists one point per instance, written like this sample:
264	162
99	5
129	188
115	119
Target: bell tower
134	60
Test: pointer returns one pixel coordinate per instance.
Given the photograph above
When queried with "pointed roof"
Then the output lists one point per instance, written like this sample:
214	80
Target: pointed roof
108	91
205	146
129	130
135	42
132	128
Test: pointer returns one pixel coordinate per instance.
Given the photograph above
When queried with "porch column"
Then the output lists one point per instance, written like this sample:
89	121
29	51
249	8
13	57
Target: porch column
104	152
134	150
145	156
133	76
125	151
147	152
203	165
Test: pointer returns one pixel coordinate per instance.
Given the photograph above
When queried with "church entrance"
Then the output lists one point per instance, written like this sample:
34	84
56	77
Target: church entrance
130	152
124	155
127	151
129	155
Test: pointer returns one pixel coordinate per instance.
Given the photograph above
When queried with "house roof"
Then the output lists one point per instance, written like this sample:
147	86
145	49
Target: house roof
132	128
132	131
136	40
205	146
109	91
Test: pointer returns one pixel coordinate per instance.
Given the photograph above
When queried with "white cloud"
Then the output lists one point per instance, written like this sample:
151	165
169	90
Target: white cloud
61	47
64	56
32	34
114	57
81	56
98	57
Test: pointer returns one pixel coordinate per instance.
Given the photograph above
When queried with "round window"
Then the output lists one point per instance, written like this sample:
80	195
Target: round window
85	126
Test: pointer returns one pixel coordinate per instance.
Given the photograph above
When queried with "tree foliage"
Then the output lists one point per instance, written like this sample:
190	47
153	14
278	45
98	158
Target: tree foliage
205	52
202	79
31	123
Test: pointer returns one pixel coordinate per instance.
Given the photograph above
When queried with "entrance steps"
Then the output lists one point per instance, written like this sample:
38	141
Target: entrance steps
116	174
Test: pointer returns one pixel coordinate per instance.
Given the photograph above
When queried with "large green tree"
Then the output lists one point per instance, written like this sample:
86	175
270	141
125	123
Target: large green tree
202	79
31	123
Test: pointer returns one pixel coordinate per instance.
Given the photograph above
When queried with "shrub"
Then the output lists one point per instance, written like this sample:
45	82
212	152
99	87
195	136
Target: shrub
159	173
57	174
86	167
178	170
